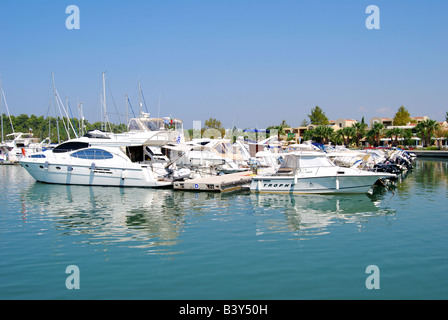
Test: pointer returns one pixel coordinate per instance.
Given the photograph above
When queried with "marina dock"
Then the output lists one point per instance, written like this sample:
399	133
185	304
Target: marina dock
8	162
223	183
430	153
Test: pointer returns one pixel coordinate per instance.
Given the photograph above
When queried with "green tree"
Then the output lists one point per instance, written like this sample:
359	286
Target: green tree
426	130
280	128
304	123
394	134
318	117
407	137
361	130
376	133
213	124
338	137
322	134
308	134
402	117
348	134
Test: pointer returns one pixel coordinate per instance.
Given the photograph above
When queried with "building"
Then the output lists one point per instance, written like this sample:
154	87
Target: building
385	121
389	122
344	123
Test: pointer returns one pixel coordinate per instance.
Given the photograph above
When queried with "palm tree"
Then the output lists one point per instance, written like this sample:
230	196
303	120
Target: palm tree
349	133
376	133
321	134
360	128
308	135
407	136
426	130
394	134
338	137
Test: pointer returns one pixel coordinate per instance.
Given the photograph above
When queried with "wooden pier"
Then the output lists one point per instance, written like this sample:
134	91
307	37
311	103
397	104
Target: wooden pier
222	183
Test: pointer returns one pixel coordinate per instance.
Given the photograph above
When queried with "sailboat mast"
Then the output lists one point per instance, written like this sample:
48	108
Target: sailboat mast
82	118
1	107
55	105
140	96
127	109
104	97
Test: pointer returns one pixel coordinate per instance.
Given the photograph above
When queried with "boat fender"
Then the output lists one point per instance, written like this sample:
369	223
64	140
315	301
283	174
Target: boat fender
92	166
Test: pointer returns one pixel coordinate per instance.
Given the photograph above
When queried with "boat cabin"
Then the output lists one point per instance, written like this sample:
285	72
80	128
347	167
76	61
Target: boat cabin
292	162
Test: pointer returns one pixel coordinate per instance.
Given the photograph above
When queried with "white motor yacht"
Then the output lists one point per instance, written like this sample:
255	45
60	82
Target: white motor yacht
131	159
314	172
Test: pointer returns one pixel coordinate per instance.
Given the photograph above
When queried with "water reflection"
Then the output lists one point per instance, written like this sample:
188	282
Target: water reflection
310	214
148	219
138	217
154	220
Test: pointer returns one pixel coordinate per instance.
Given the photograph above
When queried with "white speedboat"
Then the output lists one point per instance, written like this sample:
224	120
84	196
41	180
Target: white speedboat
131	159
314	172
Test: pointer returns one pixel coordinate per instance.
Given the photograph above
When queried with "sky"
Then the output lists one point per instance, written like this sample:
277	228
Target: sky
247	63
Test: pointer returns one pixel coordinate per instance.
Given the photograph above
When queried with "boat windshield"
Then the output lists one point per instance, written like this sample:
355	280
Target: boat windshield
156	124
298	162
70	146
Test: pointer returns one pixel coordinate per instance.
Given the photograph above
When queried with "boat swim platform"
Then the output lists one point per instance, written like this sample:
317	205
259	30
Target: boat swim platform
222	183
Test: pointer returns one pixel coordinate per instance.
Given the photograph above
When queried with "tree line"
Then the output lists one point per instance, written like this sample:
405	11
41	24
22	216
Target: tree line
47	127
44	127
354	135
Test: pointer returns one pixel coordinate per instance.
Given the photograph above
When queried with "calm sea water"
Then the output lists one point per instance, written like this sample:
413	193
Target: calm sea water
165	244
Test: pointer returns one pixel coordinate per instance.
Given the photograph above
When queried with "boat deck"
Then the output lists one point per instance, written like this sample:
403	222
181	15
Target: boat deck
223	183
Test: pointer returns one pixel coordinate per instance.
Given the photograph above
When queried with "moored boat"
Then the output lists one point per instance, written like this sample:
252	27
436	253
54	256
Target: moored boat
131	159
314	172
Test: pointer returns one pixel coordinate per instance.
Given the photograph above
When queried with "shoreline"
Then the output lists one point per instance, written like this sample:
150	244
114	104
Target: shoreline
430	153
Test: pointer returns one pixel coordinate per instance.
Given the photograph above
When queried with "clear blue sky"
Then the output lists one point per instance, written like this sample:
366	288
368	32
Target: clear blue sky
245	62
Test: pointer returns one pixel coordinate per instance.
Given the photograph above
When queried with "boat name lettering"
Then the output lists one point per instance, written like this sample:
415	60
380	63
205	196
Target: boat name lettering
276	185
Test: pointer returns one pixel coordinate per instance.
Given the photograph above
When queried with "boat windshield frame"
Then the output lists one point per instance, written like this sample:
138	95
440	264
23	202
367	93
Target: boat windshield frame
70	146
155	124
293	162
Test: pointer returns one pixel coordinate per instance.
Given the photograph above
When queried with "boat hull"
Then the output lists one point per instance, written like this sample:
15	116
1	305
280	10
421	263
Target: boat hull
318	185
96	175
